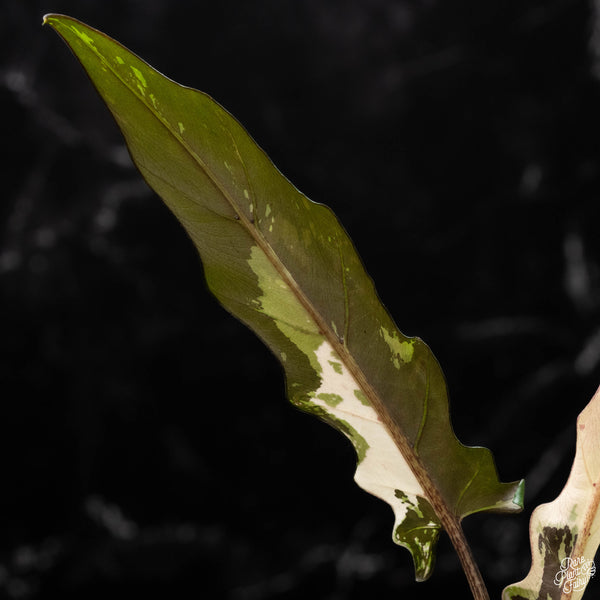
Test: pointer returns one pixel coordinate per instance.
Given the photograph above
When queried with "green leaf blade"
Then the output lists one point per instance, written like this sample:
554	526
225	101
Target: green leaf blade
284	266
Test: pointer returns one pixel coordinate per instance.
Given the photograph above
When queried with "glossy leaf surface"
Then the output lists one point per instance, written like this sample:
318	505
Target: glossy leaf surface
565	533
284	266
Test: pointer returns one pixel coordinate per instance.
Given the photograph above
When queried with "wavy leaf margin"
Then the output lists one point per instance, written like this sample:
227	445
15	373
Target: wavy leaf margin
265	246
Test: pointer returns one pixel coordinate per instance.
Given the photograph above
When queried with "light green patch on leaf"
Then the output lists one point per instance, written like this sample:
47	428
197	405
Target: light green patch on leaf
515	592
360	395
119	60
334	328
337	367
573	515
139	76
402	350
279	302
84	37
141	82
330	399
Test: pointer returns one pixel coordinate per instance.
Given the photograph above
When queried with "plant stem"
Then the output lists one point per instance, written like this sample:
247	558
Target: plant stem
451	524
467	561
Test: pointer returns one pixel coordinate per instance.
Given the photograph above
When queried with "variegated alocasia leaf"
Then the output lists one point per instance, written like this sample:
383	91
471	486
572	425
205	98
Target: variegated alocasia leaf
565	533
285	267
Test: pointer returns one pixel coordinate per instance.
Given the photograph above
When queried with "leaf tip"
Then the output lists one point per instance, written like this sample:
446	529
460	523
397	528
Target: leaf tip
519	496
49	18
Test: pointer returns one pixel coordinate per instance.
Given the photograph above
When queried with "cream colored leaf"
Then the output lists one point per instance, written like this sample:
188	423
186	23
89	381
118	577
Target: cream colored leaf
565	533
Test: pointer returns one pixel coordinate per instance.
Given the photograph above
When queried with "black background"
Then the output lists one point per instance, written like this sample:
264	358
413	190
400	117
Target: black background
147	447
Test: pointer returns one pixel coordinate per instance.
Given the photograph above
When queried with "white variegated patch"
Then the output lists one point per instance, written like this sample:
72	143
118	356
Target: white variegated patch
383	469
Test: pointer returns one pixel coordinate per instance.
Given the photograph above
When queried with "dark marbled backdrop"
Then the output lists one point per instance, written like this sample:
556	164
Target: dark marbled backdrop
147	447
